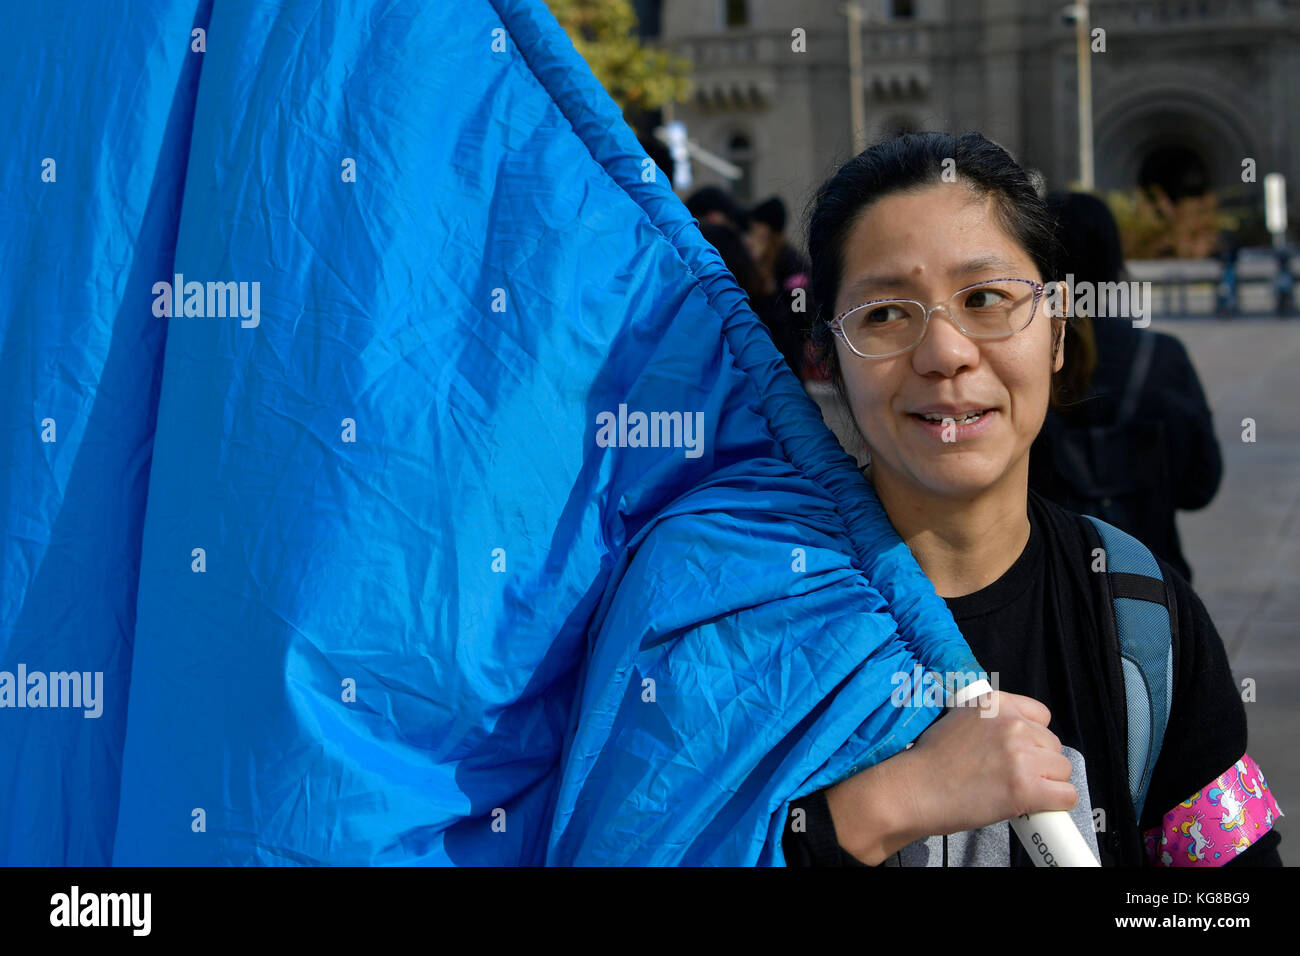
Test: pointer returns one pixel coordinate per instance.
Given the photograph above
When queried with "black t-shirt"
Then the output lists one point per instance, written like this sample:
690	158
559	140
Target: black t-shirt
1037	627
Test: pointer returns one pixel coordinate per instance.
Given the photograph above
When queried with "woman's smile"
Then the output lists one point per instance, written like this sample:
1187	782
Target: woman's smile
953	427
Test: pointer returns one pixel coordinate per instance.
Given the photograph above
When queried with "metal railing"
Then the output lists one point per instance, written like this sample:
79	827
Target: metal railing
1201	287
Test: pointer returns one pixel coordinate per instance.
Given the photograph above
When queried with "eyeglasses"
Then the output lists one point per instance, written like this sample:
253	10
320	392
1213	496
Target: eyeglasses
994	309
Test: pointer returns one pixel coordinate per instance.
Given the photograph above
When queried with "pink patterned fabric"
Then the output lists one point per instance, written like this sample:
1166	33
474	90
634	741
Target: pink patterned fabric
1217	822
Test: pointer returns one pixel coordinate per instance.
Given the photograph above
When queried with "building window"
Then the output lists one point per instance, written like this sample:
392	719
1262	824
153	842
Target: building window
647	17
740	151
735	13
902	9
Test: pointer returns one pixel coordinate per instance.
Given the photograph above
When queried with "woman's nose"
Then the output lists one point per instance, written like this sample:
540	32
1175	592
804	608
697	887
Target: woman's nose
944	348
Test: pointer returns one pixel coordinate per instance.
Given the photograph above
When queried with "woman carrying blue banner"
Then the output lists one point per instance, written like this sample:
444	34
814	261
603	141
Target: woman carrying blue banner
932	259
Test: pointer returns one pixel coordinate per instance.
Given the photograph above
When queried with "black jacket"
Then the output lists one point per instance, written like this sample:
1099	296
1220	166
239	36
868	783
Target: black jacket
1133	470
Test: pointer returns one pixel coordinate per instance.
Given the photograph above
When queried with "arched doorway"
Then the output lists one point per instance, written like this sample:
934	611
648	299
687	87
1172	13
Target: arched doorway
1176	169
1186	141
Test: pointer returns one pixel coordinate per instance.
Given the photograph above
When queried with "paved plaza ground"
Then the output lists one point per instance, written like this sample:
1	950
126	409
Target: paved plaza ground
1244	547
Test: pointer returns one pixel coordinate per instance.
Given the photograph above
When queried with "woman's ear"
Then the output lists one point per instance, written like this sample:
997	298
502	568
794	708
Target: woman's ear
1058	299
1058	344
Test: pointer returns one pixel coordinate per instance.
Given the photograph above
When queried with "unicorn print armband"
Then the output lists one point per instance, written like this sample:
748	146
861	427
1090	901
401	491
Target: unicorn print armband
1217	822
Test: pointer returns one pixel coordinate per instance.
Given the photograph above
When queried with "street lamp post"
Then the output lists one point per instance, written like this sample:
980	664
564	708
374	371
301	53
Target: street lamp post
857	102
1275	222
1082	35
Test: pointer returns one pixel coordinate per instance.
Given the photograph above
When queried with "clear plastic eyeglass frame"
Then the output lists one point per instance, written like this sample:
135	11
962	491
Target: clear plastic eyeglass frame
837	324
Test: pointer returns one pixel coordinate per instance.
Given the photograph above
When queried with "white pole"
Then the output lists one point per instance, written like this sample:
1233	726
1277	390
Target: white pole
1275	207
857	104
1050	837
1082	36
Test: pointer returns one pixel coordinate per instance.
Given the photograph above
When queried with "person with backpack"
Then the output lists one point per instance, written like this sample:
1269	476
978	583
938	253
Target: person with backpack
1114	700
1128	436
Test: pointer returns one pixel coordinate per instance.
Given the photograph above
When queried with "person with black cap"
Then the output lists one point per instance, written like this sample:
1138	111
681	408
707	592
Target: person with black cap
777	259
782	271
714	205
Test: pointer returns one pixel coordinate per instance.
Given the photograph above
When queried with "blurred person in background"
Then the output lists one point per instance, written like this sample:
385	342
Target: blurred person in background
722	223
713	205
783	271
1128	435
735	254
741	265
780	264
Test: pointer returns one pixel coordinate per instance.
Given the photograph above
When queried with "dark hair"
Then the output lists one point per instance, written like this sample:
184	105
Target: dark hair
909	162
1091	251
737	259
1089	238
770	212
709	199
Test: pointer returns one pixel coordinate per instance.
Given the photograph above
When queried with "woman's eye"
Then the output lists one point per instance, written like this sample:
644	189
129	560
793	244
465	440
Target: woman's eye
884	313
985	298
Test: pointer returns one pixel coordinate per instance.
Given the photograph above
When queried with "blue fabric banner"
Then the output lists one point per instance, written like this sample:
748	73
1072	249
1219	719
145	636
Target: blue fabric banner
418	483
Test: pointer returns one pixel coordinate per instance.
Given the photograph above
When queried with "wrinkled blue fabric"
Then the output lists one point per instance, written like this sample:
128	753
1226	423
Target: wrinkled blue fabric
364	586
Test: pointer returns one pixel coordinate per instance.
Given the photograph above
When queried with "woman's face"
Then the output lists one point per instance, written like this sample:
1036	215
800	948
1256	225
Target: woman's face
926	245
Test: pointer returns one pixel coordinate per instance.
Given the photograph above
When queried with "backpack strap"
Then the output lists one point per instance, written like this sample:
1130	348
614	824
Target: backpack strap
1144	617
1137	377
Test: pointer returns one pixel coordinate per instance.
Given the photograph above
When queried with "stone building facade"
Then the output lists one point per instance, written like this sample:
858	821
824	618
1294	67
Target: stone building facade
1184	92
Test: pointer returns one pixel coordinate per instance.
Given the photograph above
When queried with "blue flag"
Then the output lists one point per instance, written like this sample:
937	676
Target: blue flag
400	472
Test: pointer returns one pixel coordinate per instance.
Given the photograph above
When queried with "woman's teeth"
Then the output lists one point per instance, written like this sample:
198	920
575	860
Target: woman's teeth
964	420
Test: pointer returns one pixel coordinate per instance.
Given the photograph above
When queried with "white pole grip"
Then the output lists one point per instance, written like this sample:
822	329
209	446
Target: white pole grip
1050	837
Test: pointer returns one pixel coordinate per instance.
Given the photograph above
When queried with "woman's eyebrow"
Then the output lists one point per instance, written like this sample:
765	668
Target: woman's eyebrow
862	286
981	263
868	286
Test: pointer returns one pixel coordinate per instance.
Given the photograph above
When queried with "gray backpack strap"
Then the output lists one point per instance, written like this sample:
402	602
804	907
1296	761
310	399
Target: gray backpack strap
1137	376
1144	621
